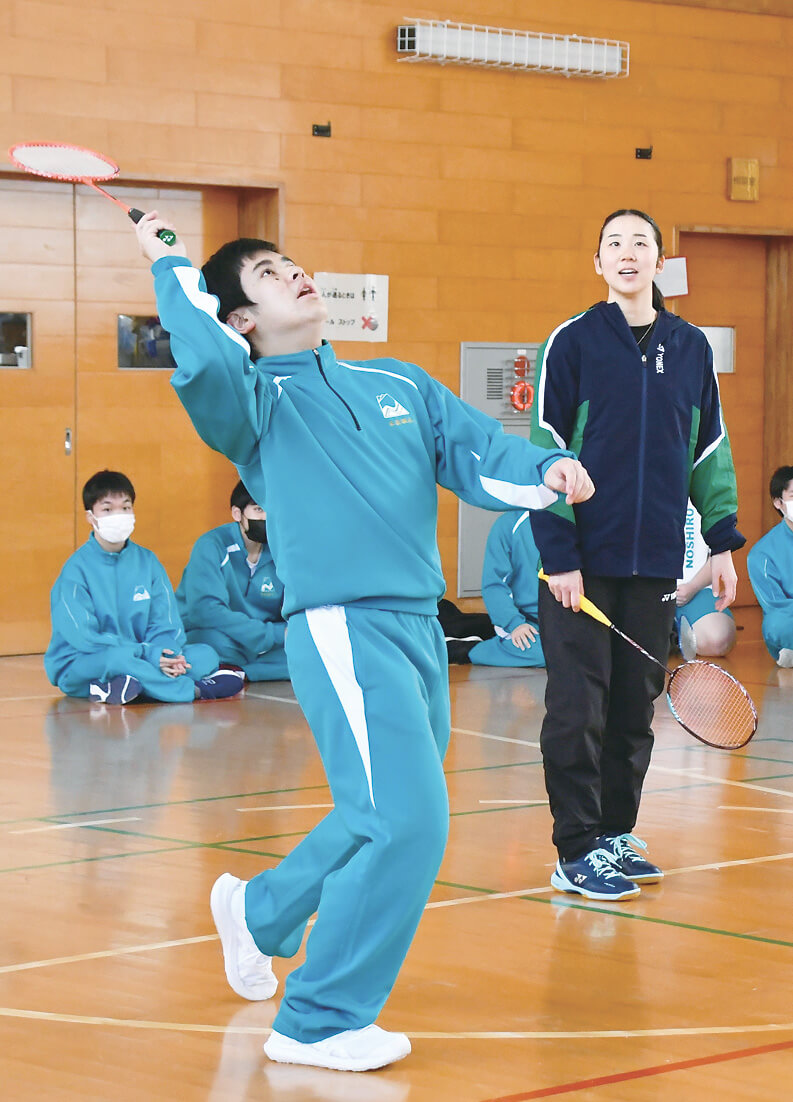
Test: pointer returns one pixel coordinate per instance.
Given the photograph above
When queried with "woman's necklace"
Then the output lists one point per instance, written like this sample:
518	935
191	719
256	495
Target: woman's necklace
647	330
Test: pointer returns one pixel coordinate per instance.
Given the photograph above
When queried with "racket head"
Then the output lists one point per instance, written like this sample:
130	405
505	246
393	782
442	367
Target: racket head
59	161
711	705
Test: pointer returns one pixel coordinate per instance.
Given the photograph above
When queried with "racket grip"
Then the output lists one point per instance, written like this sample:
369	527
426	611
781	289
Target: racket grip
166	236
586	605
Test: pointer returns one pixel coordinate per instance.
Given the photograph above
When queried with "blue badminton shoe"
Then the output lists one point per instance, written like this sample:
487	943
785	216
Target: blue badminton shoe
622	848
118	690
594	875
220	685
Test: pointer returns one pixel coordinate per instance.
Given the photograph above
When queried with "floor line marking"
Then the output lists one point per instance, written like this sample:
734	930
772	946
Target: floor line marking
744	785
46	696
767	810
487	1035
483	897
496	738
73	826
522	803
643	1073
105	953
282	807
266	696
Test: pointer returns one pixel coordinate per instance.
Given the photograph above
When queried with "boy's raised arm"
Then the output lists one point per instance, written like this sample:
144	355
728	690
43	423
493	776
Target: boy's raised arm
227	400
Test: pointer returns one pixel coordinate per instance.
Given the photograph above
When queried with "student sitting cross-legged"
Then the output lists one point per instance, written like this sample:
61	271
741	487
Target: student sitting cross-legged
509	588
230	595
116	632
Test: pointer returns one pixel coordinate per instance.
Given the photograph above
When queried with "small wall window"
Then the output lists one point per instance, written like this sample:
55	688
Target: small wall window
15	338
143	343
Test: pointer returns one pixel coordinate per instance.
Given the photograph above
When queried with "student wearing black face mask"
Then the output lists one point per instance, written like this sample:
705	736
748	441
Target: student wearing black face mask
230	595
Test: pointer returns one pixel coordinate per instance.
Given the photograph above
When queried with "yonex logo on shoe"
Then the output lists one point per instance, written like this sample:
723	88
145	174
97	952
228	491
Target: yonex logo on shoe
390	407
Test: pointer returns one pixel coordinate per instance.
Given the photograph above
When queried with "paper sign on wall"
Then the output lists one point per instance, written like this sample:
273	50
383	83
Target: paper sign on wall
673	279
357	306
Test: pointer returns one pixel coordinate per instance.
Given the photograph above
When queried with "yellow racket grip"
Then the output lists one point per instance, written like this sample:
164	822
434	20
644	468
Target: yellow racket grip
586	605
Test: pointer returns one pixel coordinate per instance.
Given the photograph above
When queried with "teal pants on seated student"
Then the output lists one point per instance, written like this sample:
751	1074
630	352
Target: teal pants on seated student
270	666
76	678
374	688
501	651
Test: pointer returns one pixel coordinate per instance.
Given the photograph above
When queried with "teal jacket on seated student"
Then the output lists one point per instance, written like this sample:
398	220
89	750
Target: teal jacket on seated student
509	588
233	605
114	613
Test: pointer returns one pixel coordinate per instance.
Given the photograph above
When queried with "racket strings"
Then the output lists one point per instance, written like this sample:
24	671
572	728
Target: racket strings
712	705
64	162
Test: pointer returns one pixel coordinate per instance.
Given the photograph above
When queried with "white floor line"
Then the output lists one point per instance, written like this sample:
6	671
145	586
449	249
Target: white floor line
483	897
745	785
496	738
767	810
417	1035
282	807
73	826
47	696
266	696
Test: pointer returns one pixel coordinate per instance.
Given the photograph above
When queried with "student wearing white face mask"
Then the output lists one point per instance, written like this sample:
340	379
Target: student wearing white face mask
770	564
116	631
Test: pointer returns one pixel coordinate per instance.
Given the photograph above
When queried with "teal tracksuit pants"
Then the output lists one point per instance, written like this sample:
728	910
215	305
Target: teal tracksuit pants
373	686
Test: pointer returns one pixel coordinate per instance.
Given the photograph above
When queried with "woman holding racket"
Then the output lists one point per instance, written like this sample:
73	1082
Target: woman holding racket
631	387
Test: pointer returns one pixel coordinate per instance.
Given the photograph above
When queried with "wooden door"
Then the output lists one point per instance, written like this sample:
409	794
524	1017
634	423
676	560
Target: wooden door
37	407
727	287
71	259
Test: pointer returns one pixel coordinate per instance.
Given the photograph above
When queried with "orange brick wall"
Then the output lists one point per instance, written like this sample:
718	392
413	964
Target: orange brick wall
478	192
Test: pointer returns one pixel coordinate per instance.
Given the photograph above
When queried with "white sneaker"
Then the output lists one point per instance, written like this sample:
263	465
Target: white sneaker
352	1050
248	970
688	640
785	660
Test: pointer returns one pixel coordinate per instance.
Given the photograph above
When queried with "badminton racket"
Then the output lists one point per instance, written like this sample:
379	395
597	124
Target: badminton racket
75	165
706	701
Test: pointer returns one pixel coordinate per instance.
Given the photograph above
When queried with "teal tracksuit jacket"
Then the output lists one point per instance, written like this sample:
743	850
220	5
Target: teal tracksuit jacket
509	588
233	609
345	457
770	566
114	613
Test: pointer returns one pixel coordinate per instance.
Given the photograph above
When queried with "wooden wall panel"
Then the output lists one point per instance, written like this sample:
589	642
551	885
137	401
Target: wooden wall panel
727	286
461	179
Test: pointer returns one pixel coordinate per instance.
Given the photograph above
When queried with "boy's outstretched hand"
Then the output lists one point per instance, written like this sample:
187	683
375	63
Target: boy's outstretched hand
569	477
150	244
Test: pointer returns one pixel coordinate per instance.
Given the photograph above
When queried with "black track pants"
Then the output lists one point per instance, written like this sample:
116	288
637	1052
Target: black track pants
596	738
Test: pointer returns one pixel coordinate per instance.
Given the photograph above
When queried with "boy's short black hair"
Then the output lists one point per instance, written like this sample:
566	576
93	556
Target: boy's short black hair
779	481
240	497
106	482
222	272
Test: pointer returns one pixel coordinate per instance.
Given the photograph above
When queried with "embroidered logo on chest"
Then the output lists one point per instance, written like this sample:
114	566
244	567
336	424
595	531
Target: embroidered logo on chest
267	585
659	360
141	593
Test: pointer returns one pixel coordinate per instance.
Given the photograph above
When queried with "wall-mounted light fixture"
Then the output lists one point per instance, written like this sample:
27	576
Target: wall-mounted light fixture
468	44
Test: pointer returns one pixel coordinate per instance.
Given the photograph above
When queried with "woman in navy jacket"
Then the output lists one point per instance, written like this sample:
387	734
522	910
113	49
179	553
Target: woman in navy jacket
631	388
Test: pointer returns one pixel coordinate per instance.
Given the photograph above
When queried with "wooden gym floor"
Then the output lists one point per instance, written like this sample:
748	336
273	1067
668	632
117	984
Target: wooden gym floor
116	822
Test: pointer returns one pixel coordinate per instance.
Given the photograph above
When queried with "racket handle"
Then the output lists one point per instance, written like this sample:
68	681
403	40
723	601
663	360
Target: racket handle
166	236
586	605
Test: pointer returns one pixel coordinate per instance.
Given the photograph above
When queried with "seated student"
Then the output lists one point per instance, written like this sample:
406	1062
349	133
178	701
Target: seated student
462	629
116	632
230	595
509	589
701	628
770	564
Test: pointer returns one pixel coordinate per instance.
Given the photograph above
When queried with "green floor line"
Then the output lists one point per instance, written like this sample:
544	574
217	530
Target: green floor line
773	777
661	921
100	857
486	768
507	807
